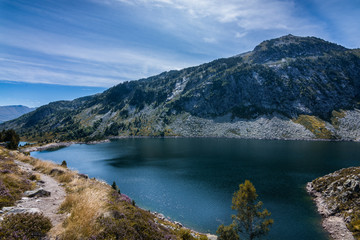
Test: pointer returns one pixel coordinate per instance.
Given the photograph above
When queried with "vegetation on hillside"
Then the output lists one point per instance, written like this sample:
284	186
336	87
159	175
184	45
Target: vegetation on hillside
29	226
11	138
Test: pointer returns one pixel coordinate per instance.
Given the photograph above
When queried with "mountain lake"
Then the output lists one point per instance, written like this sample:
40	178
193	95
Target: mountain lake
192	180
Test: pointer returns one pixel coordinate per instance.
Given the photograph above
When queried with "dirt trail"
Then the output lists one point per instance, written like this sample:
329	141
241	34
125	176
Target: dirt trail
47	205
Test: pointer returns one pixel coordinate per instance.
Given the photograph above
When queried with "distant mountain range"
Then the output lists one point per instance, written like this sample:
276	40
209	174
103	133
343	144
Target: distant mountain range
14	111
286	88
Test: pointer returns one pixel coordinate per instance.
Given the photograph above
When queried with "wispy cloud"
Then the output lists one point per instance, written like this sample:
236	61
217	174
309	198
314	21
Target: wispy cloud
78	62
209	40
248	15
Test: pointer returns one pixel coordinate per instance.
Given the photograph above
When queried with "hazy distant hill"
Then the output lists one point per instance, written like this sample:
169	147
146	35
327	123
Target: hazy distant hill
14	111
286	88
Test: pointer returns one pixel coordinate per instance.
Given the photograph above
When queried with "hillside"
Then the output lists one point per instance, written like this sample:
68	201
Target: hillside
286	88
14	111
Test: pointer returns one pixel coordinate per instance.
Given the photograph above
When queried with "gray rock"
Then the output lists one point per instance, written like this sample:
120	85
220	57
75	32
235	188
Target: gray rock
178	223
23	210
37	193
83	175
114	214
56	171
6	209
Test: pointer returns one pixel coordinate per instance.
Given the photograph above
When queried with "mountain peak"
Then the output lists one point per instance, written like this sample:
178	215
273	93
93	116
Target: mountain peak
291	46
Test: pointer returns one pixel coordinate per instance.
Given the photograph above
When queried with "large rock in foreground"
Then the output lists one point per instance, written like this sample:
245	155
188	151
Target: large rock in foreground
337	196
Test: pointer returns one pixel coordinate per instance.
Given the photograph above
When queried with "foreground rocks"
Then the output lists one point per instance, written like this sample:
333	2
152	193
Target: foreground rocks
37	193
337	197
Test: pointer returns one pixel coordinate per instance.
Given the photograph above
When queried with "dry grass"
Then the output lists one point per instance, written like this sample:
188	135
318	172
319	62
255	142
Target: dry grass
85	207
315	125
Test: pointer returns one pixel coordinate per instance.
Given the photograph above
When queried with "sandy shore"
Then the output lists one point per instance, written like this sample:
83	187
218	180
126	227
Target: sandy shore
57	145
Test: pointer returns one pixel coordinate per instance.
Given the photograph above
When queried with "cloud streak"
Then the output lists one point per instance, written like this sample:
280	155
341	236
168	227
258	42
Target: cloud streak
249	15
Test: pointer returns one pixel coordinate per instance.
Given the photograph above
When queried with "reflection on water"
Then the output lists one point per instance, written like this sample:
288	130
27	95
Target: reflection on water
192	180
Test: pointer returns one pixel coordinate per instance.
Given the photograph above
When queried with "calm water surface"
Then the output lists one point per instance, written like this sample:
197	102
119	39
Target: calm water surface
192	180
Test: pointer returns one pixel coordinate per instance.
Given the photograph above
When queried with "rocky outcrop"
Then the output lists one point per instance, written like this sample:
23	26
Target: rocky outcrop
37	193
337	197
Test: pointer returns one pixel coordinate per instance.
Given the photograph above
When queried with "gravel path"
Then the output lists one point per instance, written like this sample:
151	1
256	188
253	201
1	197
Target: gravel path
47	205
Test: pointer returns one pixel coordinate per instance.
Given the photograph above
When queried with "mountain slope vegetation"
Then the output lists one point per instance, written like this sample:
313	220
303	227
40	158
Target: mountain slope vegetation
286	88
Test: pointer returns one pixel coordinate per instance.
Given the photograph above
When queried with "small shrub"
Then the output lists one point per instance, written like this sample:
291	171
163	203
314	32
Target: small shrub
64	164
24	226
34	177
185	234
354	227
203	237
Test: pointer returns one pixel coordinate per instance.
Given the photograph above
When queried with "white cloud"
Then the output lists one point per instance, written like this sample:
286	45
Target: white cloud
247	14
240	35
210	40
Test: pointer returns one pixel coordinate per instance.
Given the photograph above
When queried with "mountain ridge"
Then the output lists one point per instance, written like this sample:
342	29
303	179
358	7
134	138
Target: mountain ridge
286	88
13	111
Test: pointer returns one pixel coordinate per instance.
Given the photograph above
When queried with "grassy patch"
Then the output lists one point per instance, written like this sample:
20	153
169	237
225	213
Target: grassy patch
30	226
315	125
13	181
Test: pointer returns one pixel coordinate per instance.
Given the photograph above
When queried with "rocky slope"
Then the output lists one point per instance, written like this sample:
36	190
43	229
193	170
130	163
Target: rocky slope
11	112
337	196
286	88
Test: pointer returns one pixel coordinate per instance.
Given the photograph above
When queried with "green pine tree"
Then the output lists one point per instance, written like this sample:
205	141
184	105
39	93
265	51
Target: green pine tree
250	221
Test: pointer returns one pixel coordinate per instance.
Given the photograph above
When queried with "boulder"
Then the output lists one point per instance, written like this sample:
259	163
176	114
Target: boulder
178	223
15	210
37	193
83	175
56	171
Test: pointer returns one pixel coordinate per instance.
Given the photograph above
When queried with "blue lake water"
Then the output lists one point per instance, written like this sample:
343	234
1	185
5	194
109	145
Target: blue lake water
192	180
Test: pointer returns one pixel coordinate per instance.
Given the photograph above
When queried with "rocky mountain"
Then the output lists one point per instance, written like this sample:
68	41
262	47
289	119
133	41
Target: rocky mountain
14	111
286	88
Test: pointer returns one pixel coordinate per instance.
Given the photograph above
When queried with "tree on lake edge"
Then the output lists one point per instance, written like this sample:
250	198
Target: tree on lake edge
250	221
11	138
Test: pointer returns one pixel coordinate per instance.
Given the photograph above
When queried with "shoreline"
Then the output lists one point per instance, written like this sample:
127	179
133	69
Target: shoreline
56	145
334	225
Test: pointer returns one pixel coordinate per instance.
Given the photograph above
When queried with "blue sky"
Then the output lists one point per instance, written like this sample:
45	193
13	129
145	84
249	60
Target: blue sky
100	43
